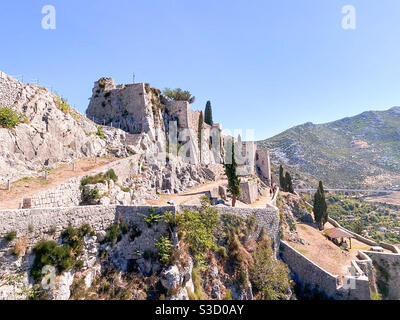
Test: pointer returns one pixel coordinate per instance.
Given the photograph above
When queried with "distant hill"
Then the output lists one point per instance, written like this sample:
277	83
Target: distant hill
361	151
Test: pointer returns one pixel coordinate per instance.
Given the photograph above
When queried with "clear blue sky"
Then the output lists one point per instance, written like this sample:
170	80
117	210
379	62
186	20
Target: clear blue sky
265	65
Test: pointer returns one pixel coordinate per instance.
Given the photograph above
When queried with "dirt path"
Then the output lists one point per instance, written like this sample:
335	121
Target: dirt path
262	201
195	193
325	253
191	194
28	187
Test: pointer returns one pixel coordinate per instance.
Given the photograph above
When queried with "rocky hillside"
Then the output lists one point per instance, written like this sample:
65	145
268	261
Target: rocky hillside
46	131
361	151
135	253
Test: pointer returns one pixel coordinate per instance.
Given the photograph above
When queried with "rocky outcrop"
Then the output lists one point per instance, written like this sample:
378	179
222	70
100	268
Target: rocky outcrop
54	133
293	207
51	132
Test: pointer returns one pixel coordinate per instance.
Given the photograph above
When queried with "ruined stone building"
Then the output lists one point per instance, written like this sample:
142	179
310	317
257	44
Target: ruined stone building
137	109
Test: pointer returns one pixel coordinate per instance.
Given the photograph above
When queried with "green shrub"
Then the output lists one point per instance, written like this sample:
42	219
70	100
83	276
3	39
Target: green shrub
251	222
199	228
124	228
53	230
99	178
170	219
11	236
222	252
102	83
74	238
179	95
236	253
9	118
135	232
63	257
103	254
112	235
270	277
164	246
49	253
198	293
151	219
63	105
228	295
100	133
241	280
126	189
231	223
110	175
91	195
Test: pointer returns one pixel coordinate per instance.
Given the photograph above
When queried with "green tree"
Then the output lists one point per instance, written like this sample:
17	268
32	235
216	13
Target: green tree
320	207
357	227
269	276
198	228
282	178
208	118
179	95
200	129
233	179
288	183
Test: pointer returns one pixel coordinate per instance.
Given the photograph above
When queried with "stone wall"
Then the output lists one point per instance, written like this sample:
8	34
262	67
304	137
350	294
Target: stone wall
263	165
180	111
268	218
126	106
387	266
68	194
34	222
245	156
37	224
308	273
249	192
9	88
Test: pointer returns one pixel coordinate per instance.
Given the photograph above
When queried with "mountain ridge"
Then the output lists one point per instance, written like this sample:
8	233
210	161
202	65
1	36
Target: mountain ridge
358	151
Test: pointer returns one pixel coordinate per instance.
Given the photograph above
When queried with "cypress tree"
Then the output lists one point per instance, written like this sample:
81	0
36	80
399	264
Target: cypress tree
233	179
208	114
200	129
320	207
289	183
281	178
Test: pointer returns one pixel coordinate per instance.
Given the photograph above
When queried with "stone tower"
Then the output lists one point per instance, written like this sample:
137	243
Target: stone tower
263	165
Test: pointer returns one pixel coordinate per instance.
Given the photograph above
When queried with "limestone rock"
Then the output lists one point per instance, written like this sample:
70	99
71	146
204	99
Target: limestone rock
171	278
52	132
101	235
105	201
63	284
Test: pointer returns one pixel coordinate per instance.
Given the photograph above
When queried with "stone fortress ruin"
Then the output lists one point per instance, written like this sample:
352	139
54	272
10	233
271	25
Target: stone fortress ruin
151	146
151	157
139	109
